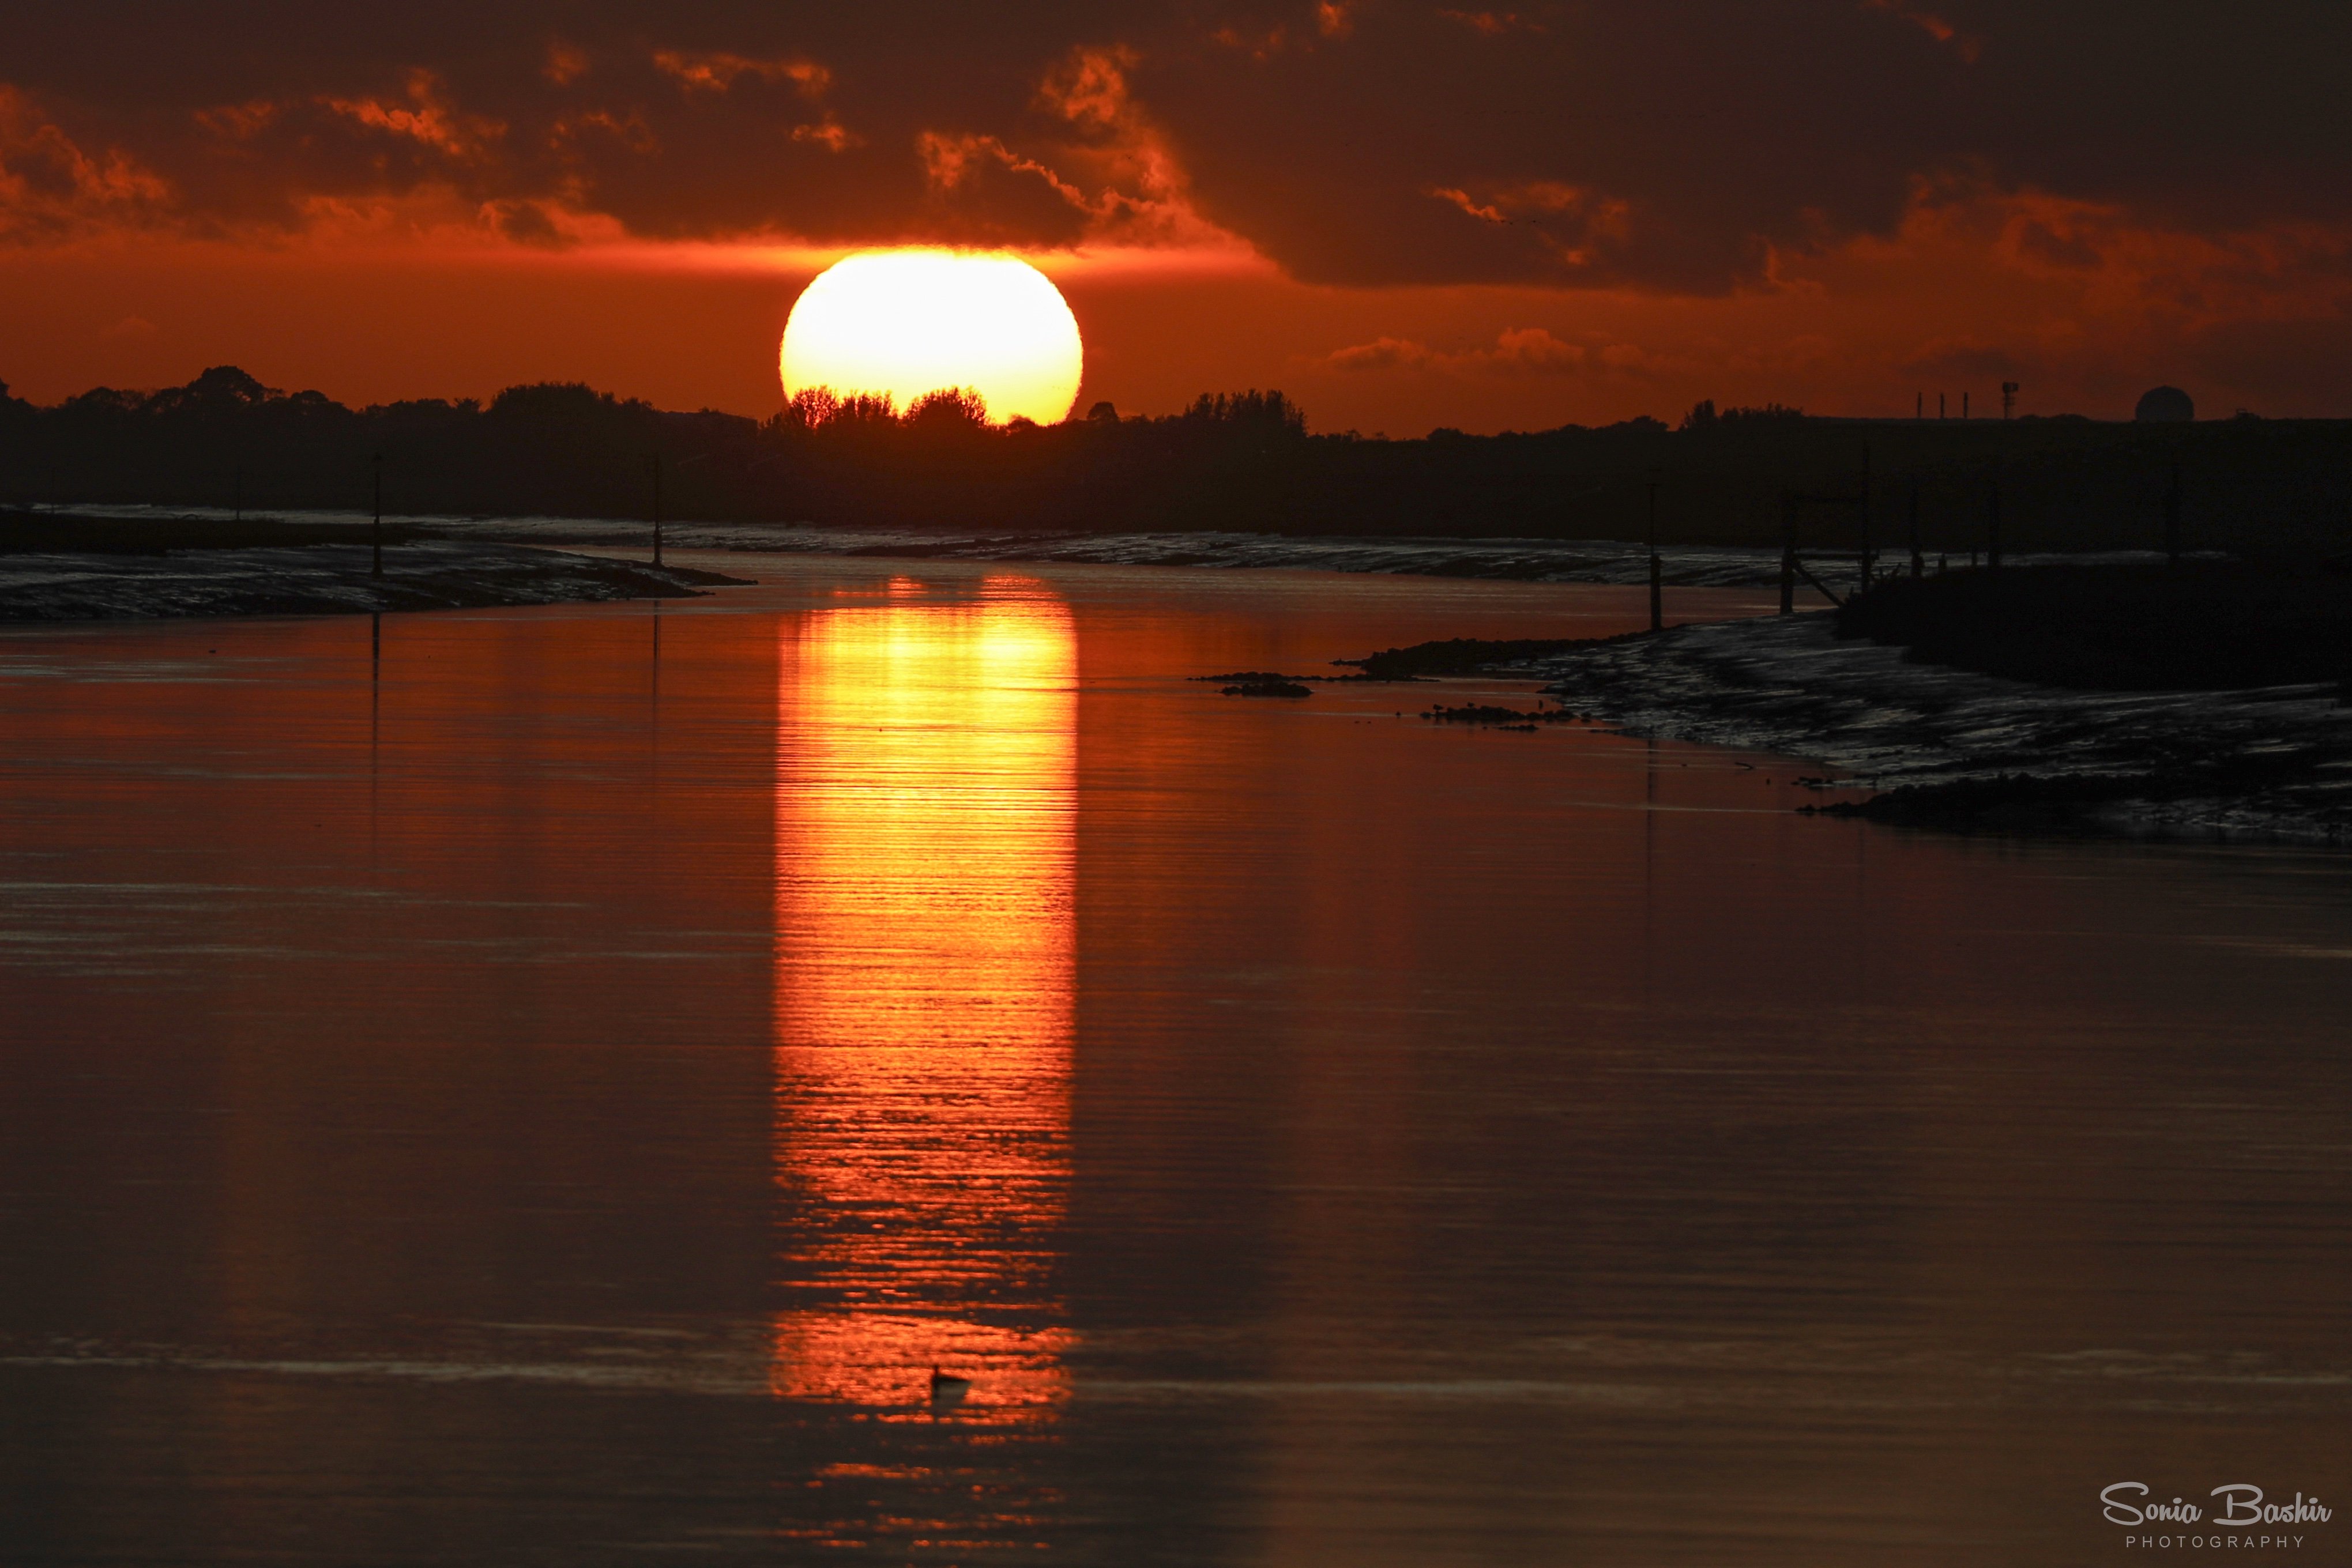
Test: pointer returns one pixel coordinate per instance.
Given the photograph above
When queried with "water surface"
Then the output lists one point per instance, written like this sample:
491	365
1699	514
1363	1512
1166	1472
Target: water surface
548	1086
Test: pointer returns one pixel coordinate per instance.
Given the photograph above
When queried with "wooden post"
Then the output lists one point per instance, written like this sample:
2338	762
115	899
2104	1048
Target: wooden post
657	520
1918	561
2172	519
1992	528
1657	589
1862	580
375	535
1788	554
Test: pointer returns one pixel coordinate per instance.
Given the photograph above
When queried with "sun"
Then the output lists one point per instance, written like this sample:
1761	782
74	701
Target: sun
907	322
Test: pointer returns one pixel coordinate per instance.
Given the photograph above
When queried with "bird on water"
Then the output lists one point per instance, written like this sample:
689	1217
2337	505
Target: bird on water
947	1390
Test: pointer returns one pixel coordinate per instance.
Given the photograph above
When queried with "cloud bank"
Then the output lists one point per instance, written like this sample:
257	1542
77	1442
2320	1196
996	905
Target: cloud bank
1682	148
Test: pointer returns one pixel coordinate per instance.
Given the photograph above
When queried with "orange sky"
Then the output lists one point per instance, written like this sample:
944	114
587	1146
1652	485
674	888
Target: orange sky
1403	215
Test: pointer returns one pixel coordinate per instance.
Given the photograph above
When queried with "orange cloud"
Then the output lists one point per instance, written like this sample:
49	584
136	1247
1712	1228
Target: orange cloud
629	129
1517	351
830	134
2110	263
1143	193
1380	354
1968	46
428	118
1534	351
51	189
949	162
1492	24
1486	212
1088	88
1567	220
1633	189
239	122
719	71
1334	20
565	63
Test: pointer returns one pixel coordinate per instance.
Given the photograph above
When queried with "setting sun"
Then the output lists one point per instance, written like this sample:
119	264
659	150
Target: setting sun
907	322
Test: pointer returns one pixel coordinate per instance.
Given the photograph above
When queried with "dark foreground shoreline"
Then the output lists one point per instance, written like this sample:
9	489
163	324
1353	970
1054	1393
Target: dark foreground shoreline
1957	749
2183	707
57	568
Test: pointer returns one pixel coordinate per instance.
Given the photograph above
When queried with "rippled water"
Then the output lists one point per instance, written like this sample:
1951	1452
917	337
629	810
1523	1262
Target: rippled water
550	1086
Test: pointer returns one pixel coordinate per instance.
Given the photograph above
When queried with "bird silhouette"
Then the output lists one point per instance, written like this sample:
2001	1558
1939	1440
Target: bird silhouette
947	1390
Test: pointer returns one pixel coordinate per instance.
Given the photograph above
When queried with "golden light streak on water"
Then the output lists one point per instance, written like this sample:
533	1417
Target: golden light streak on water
924	979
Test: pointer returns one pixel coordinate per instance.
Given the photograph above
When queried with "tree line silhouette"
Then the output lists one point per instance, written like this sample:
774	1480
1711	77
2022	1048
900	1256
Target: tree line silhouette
1240	461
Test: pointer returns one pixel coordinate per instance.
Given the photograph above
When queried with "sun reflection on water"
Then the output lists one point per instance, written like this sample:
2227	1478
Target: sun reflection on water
923	996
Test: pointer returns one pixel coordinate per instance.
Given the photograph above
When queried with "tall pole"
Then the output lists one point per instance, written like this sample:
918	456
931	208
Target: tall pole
1918	562
1787	553
375	535
2172	519
1657	588
1992	528
375	728
1865	508
657	520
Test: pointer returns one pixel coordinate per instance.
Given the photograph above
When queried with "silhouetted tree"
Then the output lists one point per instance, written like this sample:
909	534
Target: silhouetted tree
949	408
1269	413
1228	460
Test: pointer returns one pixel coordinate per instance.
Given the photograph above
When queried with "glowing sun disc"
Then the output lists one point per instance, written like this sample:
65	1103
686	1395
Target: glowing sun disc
907	322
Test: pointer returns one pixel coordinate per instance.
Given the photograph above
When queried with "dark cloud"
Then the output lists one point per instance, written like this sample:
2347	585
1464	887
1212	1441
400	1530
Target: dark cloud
1360	141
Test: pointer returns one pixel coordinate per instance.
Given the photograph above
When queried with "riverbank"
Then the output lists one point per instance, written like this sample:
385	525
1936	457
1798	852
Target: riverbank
142	568
1957	748
1502	559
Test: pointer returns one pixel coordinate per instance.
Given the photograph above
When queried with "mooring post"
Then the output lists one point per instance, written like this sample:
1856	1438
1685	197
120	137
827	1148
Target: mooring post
375	535
1862	577
2172	519
1657	587
1992	528
1918	561
1787	553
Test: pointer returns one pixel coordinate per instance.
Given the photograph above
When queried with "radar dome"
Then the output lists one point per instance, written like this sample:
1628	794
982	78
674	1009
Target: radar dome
2165	405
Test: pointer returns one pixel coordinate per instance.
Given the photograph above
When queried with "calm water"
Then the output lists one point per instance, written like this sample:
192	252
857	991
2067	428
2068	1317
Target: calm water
547	1088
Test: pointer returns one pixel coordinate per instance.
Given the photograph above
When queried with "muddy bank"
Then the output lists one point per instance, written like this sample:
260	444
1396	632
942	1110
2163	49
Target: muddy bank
1961	749
1498	559
2204	625
134	574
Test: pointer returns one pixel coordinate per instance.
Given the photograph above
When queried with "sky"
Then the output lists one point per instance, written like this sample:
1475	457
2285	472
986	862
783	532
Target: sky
1404	214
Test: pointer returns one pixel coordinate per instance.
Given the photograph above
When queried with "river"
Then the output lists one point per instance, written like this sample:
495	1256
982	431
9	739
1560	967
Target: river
550	1085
